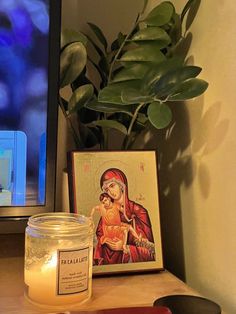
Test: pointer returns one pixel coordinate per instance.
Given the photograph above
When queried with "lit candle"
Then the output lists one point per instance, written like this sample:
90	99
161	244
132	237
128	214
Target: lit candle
58	266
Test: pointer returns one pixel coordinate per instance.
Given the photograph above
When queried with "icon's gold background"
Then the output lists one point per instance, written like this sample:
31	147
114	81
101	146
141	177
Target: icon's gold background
140	168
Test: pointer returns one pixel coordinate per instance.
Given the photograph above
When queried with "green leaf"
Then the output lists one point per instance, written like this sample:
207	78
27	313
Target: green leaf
112	93
80	97
140	123
118	42
156	34
101	73
104	65
159	70
111	124
133	96
186	8
80	80
168	83
100	36
69	36
189	89
192	12
133	72
160	15
72	62
121	38
108	107
159	114
99	50
176	29
145	53
142	118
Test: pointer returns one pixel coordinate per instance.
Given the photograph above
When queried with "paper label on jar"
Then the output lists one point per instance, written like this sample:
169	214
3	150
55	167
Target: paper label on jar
73	271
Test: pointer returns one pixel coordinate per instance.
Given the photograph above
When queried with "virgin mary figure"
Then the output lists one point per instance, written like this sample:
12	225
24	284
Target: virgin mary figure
114	182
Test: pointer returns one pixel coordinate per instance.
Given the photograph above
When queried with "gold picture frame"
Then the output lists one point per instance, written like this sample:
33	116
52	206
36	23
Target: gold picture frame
119	190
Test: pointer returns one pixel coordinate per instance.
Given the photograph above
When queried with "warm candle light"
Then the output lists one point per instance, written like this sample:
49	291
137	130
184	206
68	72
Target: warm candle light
58	273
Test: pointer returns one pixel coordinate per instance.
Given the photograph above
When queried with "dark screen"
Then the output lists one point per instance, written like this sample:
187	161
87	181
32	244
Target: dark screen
24	53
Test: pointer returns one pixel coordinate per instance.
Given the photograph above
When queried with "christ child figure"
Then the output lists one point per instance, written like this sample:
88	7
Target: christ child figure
113	228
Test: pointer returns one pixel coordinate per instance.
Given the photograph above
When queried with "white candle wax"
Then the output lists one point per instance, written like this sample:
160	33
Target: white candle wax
42	285
58	260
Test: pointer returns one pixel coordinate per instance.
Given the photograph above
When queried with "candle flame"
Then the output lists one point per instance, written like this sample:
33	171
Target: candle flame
50	263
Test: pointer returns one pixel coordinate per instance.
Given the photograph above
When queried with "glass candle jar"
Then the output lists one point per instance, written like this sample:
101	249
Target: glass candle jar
58	260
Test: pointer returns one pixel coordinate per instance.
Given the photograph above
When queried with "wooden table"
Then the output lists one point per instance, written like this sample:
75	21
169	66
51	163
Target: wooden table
108	292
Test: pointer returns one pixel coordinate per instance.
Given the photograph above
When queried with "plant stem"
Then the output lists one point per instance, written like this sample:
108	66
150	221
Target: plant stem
127	138
76	136
120	49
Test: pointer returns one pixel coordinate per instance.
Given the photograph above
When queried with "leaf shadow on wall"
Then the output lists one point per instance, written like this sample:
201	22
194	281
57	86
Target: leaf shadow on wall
180	162
207	138
173	170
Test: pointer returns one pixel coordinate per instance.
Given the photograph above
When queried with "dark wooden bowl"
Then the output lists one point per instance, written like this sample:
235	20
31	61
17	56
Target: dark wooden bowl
188	304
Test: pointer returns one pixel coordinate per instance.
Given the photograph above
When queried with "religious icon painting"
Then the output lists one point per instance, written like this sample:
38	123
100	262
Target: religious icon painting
119	191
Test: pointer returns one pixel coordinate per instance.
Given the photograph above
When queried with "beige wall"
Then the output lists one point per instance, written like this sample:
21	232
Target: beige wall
111	16
208	203
204	141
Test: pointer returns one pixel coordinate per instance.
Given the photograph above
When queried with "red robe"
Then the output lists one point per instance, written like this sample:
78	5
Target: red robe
140	221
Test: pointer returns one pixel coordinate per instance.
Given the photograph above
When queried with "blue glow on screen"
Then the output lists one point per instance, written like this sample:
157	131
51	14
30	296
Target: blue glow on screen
24	30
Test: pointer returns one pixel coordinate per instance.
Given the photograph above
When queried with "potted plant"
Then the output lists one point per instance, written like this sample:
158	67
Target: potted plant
140	73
